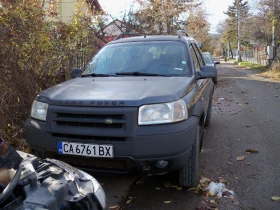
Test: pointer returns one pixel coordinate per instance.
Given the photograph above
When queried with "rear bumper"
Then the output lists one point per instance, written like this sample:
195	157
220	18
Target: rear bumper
168	142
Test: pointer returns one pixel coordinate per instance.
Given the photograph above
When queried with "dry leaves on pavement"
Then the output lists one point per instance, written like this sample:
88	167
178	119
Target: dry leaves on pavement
117	207
252	150
275	198
241	158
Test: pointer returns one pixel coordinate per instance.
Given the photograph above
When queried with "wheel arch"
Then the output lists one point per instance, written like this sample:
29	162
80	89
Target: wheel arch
198	111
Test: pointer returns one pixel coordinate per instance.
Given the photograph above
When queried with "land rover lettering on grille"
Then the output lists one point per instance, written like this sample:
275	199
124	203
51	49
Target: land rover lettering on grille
109	121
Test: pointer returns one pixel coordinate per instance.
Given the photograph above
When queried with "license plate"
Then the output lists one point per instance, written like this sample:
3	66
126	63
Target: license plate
92	150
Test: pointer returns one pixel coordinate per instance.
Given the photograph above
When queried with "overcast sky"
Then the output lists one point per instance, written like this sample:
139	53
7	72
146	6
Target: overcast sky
214	8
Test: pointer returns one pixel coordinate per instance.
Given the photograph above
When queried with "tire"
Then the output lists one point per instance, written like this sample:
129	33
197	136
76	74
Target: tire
215	80
209	113
189	173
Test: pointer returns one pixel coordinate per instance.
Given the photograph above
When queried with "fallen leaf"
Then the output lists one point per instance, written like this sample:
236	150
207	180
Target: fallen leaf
252	150
222	180
139	182
276	198
207	195
248	163
204	180
174	186
179	188
114	207
167	184
167	202
197	190
241	158
129	201
229	163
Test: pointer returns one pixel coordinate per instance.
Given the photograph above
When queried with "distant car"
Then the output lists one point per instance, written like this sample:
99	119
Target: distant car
210	62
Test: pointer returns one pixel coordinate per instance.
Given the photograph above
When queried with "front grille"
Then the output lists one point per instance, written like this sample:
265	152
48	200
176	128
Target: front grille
89	120
81	137
99	164
91	124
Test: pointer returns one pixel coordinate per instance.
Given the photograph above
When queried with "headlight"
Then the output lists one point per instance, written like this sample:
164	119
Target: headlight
162	113
39	110
98	190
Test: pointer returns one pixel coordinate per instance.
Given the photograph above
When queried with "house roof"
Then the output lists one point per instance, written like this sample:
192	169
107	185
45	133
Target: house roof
114	28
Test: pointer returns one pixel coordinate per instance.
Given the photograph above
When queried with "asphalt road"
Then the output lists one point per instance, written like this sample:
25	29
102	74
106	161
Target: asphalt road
246	115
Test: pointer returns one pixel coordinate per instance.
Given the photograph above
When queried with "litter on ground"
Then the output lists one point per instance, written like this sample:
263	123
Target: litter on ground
218	189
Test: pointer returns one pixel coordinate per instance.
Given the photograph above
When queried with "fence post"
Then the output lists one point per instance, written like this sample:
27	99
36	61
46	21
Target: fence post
62	74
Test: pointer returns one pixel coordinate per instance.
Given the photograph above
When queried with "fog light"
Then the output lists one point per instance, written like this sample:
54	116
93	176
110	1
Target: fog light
162	164
146	167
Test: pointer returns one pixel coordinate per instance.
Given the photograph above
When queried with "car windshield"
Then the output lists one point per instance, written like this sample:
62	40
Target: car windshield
208	59
140	59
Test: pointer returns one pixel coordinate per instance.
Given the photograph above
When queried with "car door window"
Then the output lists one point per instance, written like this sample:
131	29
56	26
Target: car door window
199	55
195	60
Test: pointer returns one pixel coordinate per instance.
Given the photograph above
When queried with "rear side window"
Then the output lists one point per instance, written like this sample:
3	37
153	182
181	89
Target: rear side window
198	54
194	57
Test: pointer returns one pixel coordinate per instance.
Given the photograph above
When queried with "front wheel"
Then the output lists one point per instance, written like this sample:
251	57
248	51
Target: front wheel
215	80
189	173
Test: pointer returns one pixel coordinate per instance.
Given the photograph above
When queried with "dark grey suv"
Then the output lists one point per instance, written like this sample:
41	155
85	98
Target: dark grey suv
141	104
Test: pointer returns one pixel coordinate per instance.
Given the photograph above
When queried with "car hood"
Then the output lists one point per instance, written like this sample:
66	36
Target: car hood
117	91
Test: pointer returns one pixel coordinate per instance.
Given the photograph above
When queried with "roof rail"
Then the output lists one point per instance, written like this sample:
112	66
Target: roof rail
180	33
126	34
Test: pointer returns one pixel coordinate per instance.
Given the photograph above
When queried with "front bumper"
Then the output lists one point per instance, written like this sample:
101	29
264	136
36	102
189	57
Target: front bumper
142	146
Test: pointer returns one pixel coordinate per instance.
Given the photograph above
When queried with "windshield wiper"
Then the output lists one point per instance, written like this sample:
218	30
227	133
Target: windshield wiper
137	73
97	75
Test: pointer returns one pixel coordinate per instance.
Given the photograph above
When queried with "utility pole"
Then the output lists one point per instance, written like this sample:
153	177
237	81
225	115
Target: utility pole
273	30
238	28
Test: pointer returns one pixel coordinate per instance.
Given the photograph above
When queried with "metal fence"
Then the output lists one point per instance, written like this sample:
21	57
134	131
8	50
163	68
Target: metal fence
256	55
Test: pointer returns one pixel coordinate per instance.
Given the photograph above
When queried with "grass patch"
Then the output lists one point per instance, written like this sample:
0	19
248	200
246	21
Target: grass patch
232	59
273	72
268	72
253	66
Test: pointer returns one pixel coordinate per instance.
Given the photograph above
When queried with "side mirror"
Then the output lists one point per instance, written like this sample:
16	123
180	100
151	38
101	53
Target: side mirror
206	72
218	62
76	73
